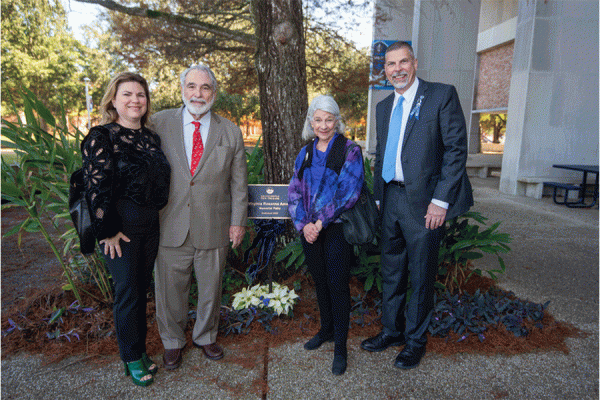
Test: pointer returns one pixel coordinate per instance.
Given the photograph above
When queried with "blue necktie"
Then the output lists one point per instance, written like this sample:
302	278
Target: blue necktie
391	147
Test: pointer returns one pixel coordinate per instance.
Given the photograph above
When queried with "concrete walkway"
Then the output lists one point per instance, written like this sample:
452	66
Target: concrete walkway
554	257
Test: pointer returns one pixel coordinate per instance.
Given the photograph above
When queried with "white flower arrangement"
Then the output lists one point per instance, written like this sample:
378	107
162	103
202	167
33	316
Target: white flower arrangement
280	301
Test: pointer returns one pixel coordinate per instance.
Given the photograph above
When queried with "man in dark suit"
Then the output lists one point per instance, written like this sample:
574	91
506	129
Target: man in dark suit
420	182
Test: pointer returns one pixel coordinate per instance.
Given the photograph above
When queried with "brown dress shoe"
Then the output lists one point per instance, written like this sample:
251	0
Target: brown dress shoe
172	358
212	351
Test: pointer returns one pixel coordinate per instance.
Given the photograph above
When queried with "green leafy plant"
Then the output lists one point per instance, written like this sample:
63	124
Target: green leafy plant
294	254
368	173
232	281
368	268
46	156
465	242
256	162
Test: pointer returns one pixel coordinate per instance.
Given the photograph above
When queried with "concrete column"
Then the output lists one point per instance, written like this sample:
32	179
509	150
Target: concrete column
474	135
553	104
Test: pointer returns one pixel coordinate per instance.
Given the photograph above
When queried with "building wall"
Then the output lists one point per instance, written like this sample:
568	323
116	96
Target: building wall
495	12
553	104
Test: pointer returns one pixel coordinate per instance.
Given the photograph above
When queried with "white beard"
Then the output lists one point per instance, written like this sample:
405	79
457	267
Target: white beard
198	110
399	85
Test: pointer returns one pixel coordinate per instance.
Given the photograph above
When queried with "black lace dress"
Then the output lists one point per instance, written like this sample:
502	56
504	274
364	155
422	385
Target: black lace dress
125	173
127	180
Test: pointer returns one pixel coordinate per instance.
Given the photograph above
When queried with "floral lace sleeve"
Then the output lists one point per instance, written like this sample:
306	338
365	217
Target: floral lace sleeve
98	177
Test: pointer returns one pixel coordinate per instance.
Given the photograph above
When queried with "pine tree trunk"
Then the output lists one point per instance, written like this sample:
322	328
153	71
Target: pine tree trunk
281	67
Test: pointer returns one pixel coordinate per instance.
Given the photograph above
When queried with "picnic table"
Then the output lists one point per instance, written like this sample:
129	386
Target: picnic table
581	188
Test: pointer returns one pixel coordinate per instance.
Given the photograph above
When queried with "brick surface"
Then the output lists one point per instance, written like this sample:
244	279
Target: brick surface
493	83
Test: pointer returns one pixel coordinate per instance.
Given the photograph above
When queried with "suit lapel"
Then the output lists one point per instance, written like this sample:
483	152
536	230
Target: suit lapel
421	91
176	127
214	135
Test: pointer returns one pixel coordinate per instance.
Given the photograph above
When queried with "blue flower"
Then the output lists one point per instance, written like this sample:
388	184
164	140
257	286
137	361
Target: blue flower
415	111
265	300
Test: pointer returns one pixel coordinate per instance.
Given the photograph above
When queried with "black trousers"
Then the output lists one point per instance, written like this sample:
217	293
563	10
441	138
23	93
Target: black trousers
131	274
328	260
407	248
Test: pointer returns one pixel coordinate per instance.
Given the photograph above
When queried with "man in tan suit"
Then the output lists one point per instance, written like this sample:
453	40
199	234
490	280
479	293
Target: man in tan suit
207	209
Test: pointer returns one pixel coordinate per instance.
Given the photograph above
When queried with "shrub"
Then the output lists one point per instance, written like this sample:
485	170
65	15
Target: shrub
47	154
464	242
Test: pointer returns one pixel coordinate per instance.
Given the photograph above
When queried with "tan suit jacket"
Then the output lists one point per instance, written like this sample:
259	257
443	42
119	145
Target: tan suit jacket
206	204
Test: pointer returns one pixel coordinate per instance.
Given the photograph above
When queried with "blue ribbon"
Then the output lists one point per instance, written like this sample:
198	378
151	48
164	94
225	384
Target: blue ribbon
267	231
415	111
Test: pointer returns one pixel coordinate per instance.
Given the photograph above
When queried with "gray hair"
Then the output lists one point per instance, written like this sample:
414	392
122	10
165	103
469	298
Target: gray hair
203	68
401	45
324	103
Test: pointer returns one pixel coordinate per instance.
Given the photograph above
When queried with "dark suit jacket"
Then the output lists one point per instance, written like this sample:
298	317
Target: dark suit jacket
434	151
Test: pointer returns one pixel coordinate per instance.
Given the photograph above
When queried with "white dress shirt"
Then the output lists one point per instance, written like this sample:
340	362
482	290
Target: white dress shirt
409	98
188	132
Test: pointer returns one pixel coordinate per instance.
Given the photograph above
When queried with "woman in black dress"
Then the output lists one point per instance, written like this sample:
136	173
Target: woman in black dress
127	176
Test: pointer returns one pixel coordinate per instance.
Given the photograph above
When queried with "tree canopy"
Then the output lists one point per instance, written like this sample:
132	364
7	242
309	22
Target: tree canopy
257	49
152	37
40	53
268	32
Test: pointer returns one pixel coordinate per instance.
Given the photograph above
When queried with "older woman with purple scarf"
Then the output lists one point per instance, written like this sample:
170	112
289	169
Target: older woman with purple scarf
328	177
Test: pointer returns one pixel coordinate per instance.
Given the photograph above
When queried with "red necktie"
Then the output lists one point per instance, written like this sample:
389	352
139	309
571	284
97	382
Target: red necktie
198	147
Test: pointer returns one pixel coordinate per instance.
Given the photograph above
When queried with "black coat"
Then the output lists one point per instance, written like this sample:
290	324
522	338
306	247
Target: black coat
434	151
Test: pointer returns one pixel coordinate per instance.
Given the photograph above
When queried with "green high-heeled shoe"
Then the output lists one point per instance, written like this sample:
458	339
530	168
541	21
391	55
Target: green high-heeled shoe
138	371
150	365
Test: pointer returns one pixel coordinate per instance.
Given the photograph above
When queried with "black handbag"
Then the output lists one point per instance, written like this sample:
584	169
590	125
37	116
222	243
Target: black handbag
80	213
360	223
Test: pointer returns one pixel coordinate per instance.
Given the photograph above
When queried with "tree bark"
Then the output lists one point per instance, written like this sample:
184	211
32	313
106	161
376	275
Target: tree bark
281	67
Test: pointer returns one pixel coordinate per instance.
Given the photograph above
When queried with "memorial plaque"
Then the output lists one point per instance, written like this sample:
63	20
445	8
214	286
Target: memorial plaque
268	202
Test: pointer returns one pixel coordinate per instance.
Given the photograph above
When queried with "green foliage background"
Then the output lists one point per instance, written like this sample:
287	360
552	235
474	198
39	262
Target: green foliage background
40	53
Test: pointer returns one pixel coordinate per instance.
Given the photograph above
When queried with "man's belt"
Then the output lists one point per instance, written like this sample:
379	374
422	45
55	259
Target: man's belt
396	183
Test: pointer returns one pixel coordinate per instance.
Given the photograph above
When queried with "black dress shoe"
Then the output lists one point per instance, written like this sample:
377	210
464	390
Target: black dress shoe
339	364
409	357
382	342
318	340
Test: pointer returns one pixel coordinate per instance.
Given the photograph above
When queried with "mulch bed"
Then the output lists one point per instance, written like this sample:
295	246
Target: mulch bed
96	329
30	301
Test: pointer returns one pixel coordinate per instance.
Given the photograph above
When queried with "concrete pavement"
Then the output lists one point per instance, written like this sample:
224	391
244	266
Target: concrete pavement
554	257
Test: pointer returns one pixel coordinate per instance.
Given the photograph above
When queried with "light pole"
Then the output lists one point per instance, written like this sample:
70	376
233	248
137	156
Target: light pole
88	101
